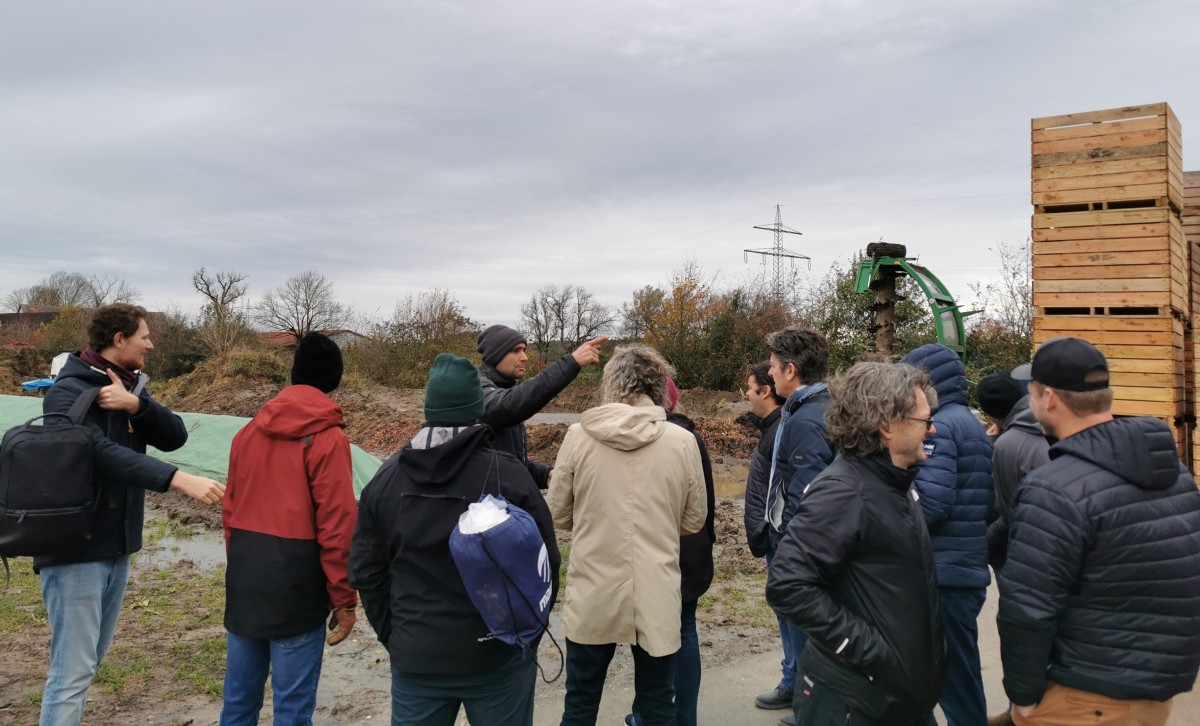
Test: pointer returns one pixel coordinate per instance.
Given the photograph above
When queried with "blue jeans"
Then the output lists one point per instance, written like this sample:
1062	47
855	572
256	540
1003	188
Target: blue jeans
794	641
295	666
587	668
499	697
962	699
687	671
82	604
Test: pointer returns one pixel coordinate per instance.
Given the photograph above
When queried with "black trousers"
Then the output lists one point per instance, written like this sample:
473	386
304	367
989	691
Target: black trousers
587	667
816	705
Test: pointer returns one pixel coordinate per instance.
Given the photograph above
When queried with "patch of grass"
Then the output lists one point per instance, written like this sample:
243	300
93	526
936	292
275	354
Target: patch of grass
21	601
34	699
200	667
122	668
565	551
157	529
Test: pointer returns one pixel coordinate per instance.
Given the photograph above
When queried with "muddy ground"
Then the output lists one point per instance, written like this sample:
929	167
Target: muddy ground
167	662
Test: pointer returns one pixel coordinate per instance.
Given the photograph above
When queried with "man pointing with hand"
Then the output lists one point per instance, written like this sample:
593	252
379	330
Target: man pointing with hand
83	589
509	404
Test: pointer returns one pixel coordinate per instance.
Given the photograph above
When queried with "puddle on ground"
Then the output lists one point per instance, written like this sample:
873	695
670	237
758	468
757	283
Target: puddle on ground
203	549
731	482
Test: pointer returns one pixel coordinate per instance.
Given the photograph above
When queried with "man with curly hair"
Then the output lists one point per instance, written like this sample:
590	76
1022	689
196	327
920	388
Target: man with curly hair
83	589
855	569
628	483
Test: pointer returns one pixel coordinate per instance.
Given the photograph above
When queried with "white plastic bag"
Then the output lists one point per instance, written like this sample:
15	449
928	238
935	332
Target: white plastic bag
483	515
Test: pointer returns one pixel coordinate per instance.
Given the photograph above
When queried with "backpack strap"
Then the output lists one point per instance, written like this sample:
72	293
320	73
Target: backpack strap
83	404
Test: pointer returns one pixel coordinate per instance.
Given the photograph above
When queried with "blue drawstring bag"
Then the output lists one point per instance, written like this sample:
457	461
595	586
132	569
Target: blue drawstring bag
504	564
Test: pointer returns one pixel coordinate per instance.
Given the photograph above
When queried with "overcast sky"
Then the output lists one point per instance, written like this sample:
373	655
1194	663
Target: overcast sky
491	148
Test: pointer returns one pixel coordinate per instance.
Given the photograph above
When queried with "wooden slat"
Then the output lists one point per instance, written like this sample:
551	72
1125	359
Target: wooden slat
1149	380
1164	395
1110	217
1051	233
1118	285
1101	299
1100	129
1146	365
1150	257
1111	114
1106	154
1167	339
1133	323
1102	194
1101	181
1106	141
1102	272
1147	408
1144	352
1120	166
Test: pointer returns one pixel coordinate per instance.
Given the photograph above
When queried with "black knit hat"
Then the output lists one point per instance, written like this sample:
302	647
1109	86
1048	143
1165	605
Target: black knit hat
318	363
998	393
495	342
453	394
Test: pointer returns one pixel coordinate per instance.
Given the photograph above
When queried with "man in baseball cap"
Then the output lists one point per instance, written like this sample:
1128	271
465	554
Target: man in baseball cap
1097	598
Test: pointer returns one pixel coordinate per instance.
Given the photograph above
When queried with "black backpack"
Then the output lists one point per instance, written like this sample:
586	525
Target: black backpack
48	497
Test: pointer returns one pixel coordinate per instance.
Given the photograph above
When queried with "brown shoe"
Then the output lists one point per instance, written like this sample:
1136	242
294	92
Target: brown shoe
1001	719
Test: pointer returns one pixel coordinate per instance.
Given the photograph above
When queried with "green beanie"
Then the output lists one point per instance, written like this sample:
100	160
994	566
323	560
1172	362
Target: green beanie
453	394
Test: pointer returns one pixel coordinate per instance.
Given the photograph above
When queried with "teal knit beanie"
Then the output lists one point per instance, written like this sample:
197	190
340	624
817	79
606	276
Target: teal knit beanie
453	394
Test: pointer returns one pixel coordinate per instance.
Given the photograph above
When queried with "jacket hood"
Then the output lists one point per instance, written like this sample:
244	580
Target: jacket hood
945	370
624	427
298	411
1021	418
443	462
76	368
1139	450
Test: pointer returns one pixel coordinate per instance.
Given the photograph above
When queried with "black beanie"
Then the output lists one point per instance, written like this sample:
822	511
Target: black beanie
997	394
495	342
453	394
318	363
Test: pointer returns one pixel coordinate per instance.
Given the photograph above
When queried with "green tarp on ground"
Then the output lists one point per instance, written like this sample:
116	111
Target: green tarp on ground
207	450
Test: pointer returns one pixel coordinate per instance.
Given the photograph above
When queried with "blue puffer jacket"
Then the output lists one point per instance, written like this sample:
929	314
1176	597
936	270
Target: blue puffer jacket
955	482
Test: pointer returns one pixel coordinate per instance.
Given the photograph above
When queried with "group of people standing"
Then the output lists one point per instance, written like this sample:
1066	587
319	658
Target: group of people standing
877	497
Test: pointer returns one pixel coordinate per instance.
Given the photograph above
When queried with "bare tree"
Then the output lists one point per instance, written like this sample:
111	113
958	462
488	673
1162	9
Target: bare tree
1009	299
222	290
429	317
563	318
63	289
222	326
302	304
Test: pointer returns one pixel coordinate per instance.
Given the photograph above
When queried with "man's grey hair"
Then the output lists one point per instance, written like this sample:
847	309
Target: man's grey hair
635	370
869	395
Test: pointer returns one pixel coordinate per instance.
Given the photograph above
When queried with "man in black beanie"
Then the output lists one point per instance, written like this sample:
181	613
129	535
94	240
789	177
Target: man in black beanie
509	404
289	516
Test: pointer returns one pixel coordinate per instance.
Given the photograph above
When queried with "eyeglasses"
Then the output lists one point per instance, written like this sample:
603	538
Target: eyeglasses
927	421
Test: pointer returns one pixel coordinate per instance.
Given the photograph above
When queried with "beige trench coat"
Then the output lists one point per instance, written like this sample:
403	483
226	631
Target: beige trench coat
629	484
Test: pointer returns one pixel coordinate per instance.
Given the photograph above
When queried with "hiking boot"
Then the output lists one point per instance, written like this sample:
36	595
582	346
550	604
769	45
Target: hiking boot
774	699
788	720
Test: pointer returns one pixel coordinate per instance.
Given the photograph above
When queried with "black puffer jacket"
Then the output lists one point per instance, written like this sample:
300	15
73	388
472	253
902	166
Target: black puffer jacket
758	535
1021	447
509	404
123	471
855	572
400	560
695	550
1101	590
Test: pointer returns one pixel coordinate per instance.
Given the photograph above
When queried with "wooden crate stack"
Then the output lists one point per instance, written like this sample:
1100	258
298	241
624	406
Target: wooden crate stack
1110	263
1191	233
